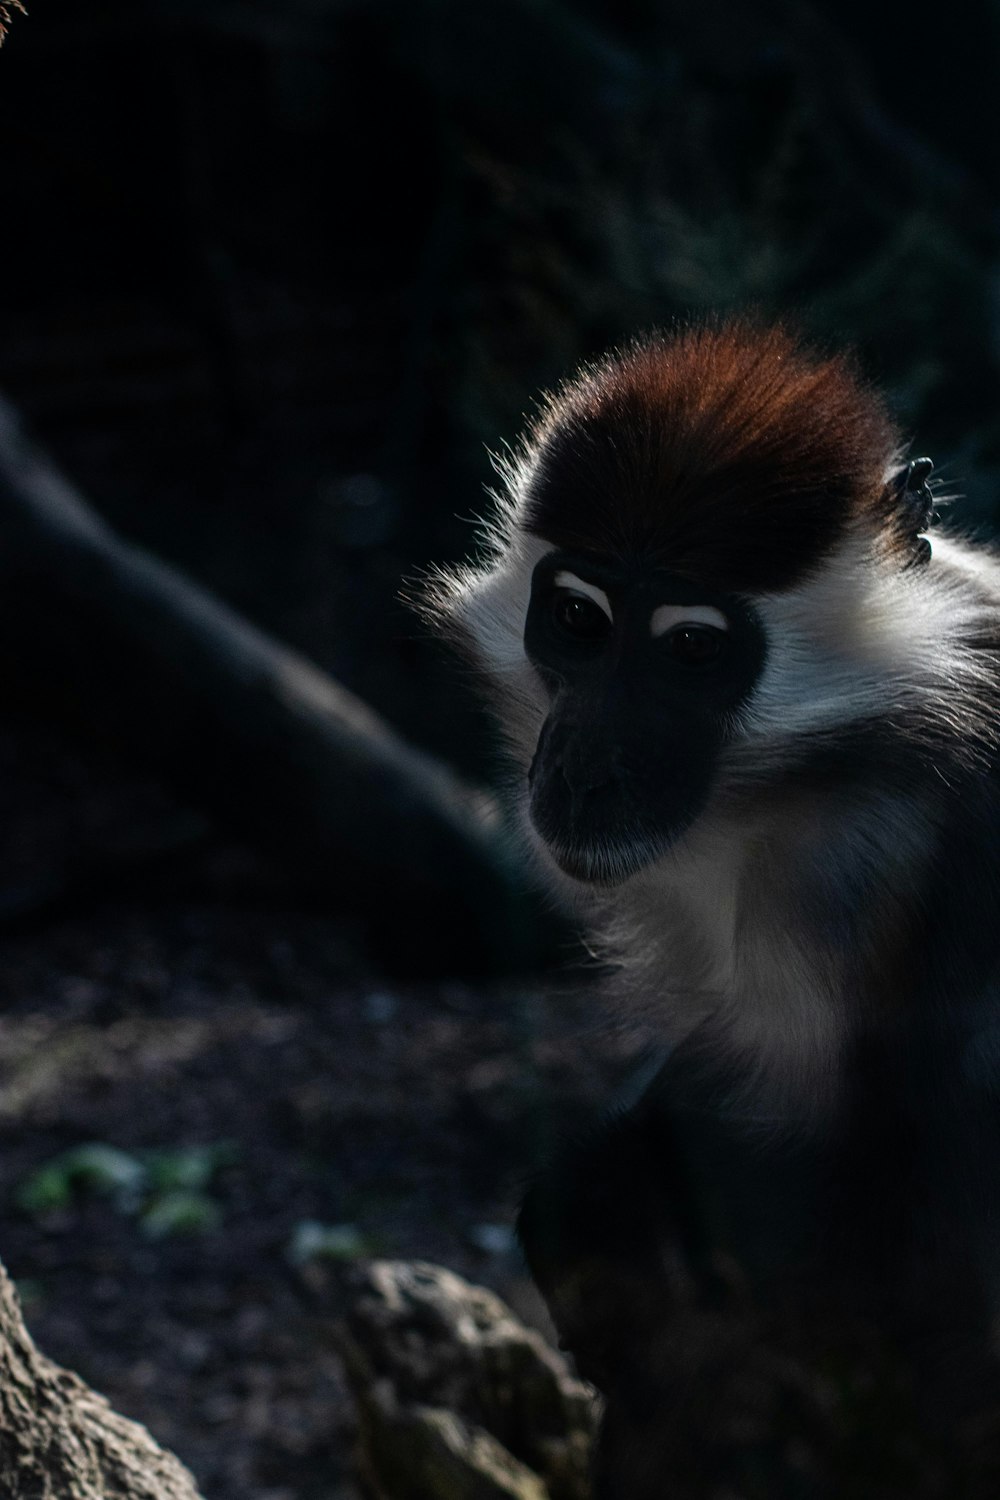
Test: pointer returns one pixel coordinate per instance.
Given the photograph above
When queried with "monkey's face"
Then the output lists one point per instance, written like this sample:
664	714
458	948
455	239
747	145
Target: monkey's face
644	674
726	454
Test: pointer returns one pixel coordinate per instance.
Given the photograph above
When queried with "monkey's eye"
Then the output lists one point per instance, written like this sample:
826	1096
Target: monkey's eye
693	634
579	617
695	645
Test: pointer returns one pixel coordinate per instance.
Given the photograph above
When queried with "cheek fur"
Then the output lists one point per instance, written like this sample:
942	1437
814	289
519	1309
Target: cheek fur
491	606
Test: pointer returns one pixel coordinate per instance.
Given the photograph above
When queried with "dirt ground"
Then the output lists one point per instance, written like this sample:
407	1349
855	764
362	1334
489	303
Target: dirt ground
205	1011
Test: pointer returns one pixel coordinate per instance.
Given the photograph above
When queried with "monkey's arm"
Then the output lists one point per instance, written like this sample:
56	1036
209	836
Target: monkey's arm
603	1237
653	1206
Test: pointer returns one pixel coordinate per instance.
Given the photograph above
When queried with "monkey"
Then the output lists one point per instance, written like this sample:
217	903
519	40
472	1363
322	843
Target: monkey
751	712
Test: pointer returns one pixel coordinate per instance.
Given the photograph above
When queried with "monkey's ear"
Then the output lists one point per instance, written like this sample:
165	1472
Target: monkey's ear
911	500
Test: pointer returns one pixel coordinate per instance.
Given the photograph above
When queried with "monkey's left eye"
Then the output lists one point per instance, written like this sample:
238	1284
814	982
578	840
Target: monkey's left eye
581	618
695	645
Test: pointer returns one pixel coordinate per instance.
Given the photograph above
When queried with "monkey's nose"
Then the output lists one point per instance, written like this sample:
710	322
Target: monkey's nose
581	783
588	787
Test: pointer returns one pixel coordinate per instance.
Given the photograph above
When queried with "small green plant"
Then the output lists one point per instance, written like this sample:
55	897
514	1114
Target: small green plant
187	1168
180	1212
166	1190
91	1169
314	1241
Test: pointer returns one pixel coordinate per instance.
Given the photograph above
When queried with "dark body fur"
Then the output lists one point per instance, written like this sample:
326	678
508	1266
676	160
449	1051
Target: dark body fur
781	1265
789	1305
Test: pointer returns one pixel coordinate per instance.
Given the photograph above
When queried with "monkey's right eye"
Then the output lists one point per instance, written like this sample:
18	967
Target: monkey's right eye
580	618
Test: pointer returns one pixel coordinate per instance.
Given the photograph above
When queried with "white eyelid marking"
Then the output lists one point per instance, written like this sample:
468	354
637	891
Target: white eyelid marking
567	580
666	616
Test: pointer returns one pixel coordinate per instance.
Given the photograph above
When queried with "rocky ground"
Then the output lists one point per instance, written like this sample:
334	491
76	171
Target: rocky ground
247	1077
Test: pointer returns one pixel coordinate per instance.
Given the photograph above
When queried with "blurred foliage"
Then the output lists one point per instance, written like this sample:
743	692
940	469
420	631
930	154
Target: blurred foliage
166	1190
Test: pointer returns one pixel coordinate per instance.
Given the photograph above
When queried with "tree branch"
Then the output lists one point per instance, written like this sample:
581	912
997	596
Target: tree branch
247	727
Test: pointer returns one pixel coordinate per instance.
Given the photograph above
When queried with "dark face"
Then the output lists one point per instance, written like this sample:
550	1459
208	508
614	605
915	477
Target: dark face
644	671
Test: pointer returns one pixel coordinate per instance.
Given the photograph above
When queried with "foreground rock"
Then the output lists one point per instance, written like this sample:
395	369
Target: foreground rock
457	1400
59	1440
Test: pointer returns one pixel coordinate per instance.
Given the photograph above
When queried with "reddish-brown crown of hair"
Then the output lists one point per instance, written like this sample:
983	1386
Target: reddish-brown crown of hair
729	454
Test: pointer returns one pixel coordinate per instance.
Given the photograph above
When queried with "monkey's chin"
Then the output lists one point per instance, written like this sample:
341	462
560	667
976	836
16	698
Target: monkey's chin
600	867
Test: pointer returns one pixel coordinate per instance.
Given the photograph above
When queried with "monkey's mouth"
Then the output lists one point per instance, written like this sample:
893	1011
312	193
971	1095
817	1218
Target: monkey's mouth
605	840
593	826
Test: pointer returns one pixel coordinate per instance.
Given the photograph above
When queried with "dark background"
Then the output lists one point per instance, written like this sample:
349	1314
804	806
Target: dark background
274	277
